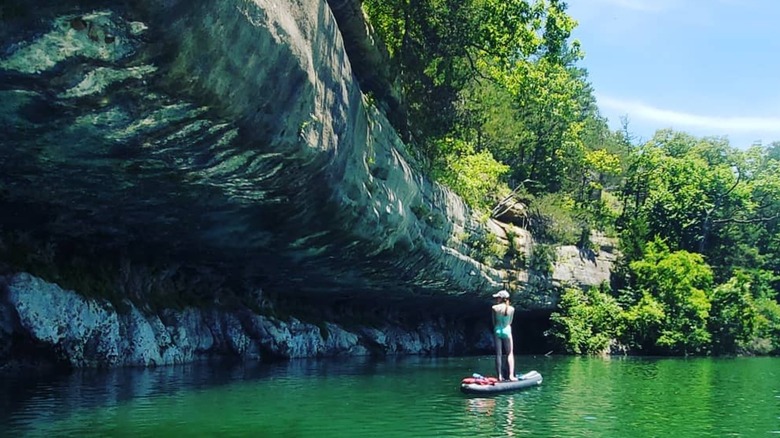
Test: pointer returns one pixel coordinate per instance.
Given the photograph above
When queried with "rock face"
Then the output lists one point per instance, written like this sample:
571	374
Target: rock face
227	139
585	268
231	135
81	332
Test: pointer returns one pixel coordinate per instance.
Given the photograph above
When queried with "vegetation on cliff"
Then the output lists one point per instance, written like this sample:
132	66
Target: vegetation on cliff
497	106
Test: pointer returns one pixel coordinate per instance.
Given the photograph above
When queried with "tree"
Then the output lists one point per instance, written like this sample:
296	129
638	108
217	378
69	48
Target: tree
439	47
475	176
680	283
734	321
586	322
701	196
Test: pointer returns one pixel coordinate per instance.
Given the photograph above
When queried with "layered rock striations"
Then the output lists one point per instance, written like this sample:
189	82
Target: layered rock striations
227	140
227	133
65	328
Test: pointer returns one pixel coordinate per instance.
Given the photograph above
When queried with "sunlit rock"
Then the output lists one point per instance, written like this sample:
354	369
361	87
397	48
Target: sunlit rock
230	135
83	332
228	142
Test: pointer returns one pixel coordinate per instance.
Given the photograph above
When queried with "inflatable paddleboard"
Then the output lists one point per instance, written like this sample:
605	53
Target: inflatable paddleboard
487	385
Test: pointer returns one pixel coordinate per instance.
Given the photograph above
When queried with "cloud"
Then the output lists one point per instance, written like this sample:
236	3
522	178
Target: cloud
666	117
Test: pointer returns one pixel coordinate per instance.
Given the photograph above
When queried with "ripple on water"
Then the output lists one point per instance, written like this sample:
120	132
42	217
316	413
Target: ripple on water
394	398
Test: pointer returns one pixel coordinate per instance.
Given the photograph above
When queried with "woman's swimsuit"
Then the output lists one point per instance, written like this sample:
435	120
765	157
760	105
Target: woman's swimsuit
503	327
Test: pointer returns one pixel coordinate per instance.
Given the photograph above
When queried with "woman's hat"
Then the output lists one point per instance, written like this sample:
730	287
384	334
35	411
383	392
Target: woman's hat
501	294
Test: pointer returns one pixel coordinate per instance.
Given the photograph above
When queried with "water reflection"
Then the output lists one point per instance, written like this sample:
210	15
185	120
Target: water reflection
498	411
409	397
30	401
48	393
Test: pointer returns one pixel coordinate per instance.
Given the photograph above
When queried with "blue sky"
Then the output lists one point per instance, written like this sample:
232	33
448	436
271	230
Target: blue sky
706	67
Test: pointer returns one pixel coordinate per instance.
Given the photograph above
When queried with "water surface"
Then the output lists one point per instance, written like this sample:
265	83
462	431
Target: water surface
410	397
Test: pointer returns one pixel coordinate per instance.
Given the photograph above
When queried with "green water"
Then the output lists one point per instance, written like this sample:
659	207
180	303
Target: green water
413	397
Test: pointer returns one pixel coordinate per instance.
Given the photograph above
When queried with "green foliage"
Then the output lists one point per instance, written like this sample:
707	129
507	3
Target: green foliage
680	282
746	314
767	340
475	176
495	101
542	260
674	194
734	322
553	220
515	255
485	248
493	98
705	197
644	323
441	48
532	118
586	322
677	310
602	162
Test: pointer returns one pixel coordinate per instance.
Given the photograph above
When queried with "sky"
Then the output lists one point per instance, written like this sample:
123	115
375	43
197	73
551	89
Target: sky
706	67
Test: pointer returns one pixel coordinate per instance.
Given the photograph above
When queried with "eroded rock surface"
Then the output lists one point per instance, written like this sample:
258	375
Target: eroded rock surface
226	140
81	332
229	135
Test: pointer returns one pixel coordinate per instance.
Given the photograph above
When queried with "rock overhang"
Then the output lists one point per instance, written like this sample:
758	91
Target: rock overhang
229	136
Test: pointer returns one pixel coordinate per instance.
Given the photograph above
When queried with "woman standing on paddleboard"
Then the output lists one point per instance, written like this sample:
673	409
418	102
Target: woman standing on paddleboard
503	313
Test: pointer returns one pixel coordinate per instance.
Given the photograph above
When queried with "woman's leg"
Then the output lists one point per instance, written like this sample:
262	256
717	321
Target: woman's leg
499	343
510	357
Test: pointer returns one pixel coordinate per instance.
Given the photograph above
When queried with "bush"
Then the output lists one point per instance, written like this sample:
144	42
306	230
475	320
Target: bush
553	219
474	176
679	285
586	321
734	317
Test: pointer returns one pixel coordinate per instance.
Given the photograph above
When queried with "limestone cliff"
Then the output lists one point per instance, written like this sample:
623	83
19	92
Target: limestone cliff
230	135
221	154
63	328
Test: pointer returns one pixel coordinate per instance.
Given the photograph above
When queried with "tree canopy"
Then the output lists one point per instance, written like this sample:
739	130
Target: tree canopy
498	107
